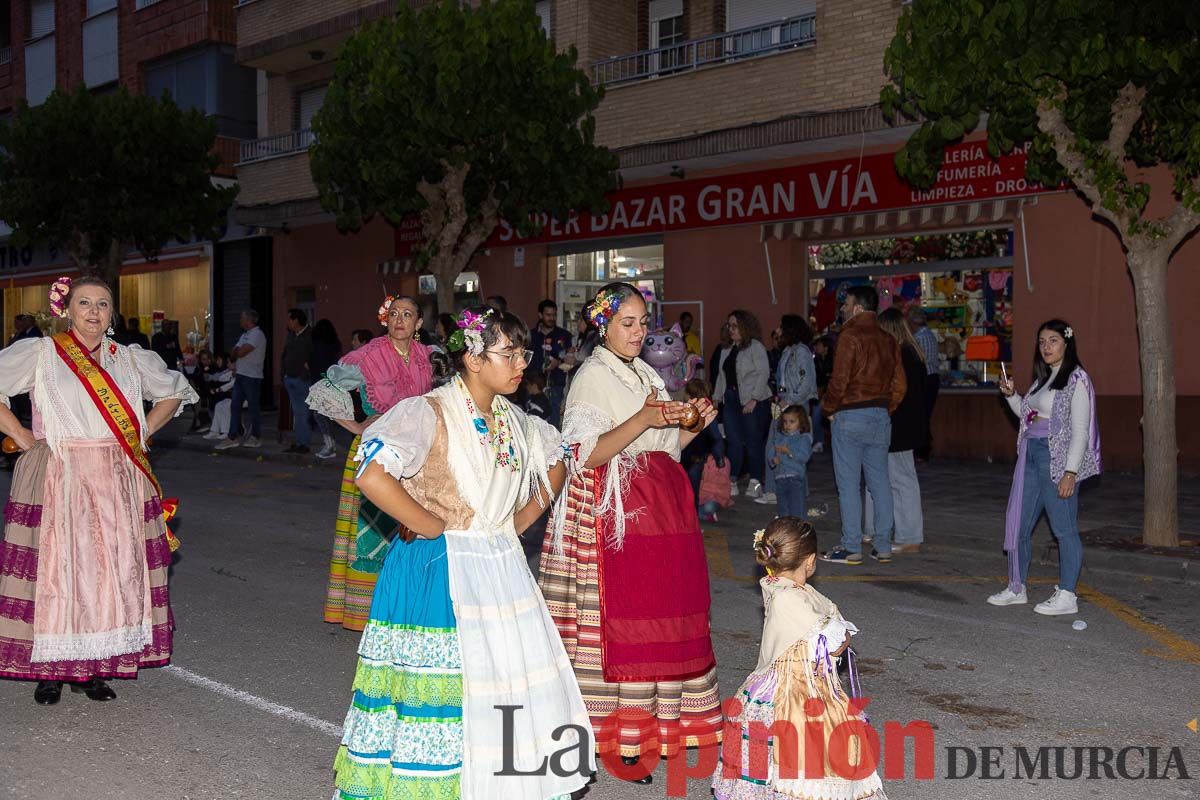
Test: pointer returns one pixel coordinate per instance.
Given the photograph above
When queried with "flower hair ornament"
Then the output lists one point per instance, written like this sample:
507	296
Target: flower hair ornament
58	296
601	311
384	308
761	546
469	335
1069	333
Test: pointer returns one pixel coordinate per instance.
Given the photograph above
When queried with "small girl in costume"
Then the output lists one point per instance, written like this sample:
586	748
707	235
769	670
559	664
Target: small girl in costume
796	681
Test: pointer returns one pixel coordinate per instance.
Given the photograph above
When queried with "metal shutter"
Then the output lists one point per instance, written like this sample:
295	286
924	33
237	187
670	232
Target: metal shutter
237	258
748	13
310	104
41	18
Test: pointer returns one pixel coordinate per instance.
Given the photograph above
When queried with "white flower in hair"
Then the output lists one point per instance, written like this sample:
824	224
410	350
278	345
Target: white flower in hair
474	340
1069	332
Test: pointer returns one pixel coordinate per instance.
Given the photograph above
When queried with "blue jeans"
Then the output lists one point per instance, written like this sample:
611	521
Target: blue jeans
746	437
860	447
248	390
297	389
792	496
1041	494
818	422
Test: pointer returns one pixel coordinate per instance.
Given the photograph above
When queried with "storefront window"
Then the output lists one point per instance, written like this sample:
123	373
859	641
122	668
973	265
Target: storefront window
962	280
581	275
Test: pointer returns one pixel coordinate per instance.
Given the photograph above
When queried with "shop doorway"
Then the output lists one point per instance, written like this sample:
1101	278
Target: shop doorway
579	275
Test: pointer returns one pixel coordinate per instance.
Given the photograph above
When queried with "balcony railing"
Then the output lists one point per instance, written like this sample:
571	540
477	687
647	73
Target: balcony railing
282	144
5	54
786	34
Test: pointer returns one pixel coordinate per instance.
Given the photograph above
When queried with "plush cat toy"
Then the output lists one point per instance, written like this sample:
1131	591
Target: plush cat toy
666	352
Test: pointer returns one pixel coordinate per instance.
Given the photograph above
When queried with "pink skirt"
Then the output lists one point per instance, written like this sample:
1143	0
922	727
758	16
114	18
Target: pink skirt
83	567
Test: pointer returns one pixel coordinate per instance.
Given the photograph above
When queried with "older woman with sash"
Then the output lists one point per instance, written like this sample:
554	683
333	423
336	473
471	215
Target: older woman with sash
83	564
625	574
382	372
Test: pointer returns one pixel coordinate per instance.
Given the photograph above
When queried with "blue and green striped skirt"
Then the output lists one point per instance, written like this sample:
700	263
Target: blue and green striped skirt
403	737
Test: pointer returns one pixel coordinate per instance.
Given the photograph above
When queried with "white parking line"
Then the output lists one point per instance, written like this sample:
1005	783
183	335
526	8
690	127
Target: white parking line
225	690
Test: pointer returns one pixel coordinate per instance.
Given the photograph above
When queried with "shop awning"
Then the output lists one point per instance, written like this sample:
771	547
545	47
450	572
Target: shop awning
899	222
397	266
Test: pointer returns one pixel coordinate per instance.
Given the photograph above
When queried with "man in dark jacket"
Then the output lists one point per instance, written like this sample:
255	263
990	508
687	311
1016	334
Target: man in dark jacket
297	355
866	386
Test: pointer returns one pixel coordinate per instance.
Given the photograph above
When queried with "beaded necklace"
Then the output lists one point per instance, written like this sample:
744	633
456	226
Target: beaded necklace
500	442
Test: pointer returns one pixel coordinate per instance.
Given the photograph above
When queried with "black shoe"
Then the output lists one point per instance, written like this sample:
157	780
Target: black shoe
302	450
47	693
630	761
95	689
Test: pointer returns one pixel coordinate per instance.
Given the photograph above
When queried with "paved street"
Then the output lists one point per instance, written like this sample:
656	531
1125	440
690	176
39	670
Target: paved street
253	702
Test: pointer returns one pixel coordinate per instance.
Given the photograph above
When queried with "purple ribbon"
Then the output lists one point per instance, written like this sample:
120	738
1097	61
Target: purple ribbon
1038	429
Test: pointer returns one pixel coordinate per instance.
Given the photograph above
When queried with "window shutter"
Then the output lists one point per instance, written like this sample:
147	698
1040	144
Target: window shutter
543	12
310	104
95	7
41	18
749	13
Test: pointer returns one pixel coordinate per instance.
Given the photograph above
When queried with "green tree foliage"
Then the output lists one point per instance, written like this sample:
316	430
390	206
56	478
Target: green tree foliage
100	174
465	116
1091	86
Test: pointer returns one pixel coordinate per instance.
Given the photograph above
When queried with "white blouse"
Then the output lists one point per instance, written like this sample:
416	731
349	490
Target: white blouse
605	392
62	407
1041	400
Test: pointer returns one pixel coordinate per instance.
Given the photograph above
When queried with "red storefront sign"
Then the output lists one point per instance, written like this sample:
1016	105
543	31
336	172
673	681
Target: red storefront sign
827	188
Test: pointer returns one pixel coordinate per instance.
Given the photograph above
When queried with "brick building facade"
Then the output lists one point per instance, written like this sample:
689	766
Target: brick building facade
184	48
751	125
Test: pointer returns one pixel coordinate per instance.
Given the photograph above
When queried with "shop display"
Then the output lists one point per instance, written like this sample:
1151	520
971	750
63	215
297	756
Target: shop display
969	309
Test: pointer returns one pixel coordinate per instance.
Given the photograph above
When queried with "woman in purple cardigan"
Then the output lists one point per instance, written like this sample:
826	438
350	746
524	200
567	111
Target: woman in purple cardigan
1058	445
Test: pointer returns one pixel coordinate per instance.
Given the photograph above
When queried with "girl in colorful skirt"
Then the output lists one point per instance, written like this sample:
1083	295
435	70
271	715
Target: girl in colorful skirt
462	677
796	684
384	371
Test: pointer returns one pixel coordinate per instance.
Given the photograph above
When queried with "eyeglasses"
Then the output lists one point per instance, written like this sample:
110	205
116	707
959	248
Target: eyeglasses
401	313
516	355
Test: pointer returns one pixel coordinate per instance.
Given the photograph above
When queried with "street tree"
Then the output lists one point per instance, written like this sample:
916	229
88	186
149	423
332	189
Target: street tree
465	116
98	175
1094	87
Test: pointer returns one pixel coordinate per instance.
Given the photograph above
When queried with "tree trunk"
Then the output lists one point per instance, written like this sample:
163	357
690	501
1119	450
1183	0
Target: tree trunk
1160	454
445	269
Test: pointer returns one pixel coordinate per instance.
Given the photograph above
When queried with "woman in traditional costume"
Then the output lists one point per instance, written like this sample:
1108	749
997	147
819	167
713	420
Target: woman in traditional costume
384	371
796	685
461	676
83	565
624	573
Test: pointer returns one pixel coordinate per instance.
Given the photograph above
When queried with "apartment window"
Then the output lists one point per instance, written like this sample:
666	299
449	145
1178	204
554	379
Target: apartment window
100	43
309	103
41	18
666	29
208	79
543	11
39	70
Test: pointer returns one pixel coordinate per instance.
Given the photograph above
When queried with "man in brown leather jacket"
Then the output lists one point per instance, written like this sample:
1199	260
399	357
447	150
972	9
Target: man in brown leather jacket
866	386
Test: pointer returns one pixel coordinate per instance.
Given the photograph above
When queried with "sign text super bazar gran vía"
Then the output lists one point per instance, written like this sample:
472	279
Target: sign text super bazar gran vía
827	188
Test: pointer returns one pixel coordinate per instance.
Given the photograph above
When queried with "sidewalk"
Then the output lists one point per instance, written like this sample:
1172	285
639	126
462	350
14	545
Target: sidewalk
963	501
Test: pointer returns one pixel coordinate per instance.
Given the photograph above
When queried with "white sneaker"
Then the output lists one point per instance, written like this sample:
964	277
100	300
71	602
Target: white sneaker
754	488
766	500
214	435
1009	598
328	451
1061	602
228	444
733	489
252	441
819	447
